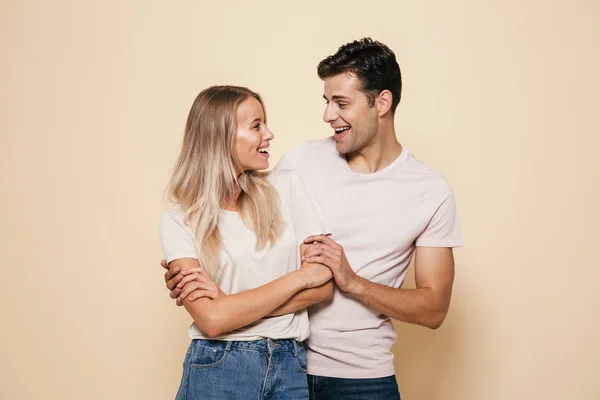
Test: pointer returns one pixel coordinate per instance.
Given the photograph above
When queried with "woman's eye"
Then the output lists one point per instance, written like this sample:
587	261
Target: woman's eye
257	126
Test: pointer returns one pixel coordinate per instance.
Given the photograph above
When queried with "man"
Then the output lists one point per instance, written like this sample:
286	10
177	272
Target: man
383	207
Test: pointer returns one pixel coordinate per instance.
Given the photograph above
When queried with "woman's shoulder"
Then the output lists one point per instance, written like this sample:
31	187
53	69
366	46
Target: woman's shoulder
174	215
174	212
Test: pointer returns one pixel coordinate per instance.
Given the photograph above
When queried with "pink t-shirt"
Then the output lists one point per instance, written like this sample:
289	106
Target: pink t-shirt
378	218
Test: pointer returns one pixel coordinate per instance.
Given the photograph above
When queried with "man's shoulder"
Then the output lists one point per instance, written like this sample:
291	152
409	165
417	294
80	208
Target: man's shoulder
426	175
304	152
285	181
280	178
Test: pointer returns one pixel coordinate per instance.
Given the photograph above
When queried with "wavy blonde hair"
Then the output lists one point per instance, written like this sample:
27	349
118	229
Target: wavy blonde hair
205	176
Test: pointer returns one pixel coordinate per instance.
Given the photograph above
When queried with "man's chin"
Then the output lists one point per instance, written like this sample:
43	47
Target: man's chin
342	148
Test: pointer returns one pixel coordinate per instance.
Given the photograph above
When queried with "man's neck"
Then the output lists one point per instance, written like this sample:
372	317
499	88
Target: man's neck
377	155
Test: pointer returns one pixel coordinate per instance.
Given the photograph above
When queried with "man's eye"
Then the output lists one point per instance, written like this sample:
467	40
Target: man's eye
342	105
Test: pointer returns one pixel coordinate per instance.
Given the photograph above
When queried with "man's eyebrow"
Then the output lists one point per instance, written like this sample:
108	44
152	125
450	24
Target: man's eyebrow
338	97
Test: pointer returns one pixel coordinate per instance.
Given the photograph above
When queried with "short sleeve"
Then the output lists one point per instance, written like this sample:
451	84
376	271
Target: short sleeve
307	216
176	238
443	229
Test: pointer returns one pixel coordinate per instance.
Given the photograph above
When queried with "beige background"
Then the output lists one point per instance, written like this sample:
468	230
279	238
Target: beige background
501	96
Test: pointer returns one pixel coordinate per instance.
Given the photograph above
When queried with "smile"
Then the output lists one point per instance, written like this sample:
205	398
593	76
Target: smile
341	132
342	129
264	151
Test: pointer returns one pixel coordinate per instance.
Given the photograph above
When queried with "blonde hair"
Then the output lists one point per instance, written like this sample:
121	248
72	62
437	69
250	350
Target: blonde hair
205	176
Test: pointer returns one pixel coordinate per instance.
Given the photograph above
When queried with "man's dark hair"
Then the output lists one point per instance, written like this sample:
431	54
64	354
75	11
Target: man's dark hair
373	63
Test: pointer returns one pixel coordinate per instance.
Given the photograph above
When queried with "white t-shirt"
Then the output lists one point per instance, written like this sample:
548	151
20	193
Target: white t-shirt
378	218
242	266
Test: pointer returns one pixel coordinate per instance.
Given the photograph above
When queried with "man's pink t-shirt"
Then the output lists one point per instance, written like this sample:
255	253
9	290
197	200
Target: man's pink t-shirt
378	218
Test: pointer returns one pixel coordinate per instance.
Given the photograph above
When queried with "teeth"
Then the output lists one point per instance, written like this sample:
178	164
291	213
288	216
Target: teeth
339	130
263	150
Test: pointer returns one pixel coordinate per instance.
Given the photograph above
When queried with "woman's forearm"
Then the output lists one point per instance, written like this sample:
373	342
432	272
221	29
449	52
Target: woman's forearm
305	298
215	317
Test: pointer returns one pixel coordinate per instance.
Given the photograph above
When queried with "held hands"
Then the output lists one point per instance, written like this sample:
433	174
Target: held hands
191	284
323	250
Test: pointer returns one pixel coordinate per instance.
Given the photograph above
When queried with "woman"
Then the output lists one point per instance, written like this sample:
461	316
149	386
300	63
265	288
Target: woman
242	228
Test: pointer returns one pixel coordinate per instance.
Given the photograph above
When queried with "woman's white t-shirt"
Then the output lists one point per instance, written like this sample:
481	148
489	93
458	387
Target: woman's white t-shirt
242	266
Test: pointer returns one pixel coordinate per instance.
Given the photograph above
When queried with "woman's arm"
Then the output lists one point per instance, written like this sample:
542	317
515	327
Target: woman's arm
226	313
202	285
196	283
306	297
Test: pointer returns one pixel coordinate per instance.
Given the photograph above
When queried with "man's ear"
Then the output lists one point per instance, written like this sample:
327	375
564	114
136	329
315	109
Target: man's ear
384	102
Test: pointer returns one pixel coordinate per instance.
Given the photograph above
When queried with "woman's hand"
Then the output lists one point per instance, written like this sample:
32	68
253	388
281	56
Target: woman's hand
324	250
315	275
196	283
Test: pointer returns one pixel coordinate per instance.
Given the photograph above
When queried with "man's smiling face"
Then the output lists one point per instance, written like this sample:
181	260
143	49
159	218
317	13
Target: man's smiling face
348	112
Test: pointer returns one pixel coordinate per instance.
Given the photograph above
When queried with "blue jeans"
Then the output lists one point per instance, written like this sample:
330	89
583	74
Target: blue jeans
326	388
256	370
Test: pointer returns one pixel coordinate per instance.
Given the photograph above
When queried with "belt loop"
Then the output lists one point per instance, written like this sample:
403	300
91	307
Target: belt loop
228	346
295	342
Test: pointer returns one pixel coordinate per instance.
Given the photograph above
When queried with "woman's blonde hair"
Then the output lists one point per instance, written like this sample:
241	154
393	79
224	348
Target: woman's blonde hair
205	176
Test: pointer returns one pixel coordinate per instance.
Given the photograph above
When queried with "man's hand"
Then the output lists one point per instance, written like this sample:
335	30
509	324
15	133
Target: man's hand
172	278
197	283
324	250
192	283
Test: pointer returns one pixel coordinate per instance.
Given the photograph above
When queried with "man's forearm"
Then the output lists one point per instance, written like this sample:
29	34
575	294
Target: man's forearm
305	298
421	306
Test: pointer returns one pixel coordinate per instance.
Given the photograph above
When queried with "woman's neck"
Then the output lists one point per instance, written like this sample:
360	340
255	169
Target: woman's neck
230	204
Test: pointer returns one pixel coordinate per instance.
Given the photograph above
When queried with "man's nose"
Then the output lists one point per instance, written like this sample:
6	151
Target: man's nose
329	115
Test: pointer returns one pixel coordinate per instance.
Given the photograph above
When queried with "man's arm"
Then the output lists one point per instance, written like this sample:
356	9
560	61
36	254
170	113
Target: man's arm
427	305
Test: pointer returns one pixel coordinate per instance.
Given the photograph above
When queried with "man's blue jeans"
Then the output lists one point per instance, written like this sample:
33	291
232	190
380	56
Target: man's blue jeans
326	388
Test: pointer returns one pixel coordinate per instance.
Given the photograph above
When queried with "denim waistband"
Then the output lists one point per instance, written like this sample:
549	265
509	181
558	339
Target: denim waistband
261	345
